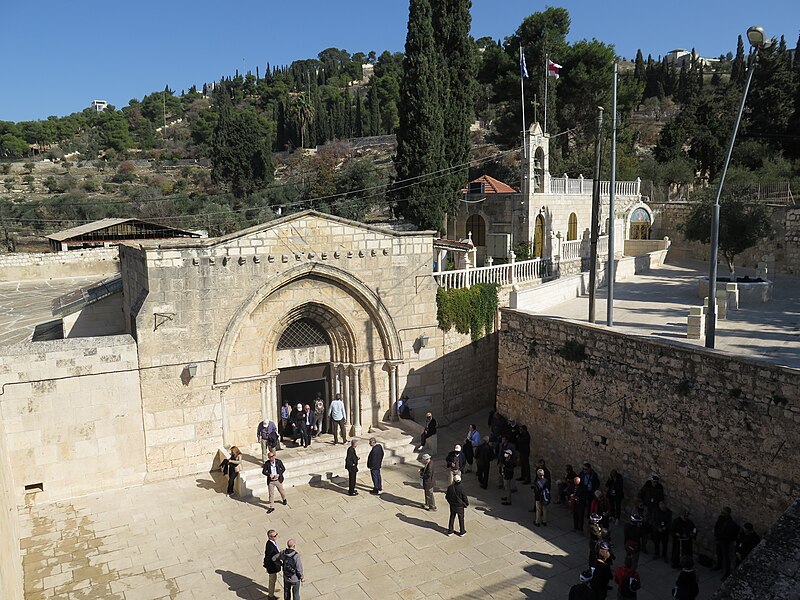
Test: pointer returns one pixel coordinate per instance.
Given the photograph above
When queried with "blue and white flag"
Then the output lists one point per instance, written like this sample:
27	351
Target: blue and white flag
523	70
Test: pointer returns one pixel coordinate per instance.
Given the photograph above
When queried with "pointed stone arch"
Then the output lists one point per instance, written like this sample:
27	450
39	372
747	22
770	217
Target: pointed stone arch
343	338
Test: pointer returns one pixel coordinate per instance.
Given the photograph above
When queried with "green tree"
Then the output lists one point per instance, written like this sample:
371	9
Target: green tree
451	25
738	67
241	151
420	136
12	146
303	111
741	224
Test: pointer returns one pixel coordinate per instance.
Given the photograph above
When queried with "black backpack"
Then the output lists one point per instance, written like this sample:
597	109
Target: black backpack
289	566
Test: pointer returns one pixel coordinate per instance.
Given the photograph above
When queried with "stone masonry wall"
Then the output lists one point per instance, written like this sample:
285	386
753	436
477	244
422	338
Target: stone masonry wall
184	299
718	429
72	415
11	583
783	243
23	266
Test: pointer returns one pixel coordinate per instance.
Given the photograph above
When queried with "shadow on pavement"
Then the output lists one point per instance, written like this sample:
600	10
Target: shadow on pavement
432	525
244	587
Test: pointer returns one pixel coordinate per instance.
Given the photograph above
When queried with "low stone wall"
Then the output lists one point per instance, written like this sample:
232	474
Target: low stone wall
639	247
771	570
11	582
792	242
72	414
717	429
24	266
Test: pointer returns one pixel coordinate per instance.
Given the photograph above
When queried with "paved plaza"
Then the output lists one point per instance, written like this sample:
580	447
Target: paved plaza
26	304
657	304
184	538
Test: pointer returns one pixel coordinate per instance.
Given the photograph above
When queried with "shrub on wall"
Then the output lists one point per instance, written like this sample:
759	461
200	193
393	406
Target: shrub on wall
470	310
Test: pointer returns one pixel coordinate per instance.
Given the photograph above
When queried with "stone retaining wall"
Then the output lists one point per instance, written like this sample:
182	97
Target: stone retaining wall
72	415
11	583
792	242
25	266
717	428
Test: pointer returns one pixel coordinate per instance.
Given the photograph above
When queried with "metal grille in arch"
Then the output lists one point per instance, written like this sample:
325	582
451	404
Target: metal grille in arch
303	333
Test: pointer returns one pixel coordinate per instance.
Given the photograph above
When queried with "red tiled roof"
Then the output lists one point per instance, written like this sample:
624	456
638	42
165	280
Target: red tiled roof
491	186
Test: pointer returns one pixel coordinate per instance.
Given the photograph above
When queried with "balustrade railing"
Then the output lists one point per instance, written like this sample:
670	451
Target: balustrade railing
506	274
571	250
579	185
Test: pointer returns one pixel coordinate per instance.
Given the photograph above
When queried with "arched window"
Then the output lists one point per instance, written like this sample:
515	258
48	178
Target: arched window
477	226
538	237
572	228
538	171
640	225
303	333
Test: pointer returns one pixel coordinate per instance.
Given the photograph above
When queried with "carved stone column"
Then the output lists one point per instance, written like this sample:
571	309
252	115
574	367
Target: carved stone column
393	392
272	395
223	392
348	400
357	400
264	389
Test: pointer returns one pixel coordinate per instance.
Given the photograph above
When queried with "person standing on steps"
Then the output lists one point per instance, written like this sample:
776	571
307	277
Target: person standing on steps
374	462
427	478
351	464
458	501
267	435
273	470
319	414
338	415
308	425
286	412
273	568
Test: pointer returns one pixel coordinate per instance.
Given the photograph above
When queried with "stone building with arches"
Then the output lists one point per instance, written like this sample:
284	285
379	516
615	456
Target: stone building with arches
547	211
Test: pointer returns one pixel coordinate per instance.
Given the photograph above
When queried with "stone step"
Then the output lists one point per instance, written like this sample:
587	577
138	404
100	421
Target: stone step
322	460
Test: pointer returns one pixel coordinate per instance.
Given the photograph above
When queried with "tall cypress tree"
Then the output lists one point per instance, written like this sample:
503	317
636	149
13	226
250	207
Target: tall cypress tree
451	25
374	108
638	69
738	64
420	135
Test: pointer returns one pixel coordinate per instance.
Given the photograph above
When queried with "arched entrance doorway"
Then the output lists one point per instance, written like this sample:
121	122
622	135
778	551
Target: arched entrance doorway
640	224
538	237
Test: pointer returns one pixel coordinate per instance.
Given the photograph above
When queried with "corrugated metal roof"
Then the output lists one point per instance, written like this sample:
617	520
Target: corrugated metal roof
86	228
60	236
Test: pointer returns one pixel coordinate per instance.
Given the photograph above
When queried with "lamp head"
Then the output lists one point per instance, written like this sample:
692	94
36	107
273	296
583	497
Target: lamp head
757	38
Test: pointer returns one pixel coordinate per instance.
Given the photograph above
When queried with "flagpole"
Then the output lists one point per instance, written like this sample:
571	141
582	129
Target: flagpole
522	94
546	58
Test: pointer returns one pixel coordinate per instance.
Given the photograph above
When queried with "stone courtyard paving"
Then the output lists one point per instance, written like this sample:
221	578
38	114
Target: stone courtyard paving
184	538
26	304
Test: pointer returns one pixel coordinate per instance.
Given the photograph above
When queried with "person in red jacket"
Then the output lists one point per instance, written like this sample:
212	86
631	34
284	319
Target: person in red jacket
627	580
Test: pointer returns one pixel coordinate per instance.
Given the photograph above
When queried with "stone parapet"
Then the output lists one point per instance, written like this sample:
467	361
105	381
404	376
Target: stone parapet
24	266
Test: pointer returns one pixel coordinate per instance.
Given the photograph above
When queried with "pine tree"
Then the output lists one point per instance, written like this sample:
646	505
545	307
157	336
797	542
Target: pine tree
420	136
451	25
771	97
738	64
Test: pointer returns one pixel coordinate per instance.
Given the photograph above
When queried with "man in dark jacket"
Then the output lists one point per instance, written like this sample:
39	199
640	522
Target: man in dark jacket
633	539
726	530
662	525
748	539
524	455
374	461
351	464
428	480
577	501
273	470
428	432
272	567
483	456
458	501
307	423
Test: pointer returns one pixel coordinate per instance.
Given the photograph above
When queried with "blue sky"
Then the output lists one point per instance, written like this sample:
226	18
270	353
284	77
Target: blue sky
59	55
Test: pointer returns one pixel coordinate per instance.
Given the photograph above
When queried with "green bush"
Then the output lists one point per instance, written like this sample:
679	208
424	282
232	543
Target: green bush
470	310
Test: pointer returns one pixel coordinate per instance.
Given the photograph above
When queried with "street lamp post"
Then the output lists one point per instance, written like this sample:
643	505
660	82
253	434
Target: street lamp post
758	40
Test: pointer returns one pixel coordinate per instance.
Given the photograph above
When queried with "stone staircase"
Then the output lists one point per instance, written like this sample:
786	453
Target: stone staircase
322	460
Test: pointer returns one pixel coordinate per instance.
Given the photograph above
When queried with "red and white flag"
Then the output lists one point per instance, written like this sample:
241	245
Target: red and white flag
553	69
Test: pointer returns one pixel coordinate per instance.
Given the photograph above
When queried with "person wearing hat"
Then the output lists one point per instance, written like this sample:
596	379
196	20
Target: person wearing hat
541	493
633	539
504	446
583	590
297	424
507	466
683	534
726	530
454	462
458	501
428	432
483	456
428	481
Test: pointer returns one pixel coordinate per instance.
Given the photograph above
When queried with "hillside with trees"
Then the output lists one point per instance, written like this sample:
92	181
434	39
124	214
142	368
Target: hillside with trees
238	151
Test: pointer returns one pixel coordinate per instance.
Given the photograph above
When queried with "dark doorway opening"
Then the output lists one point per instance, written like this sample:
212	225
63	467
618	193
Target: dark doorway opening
303	392
300	385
